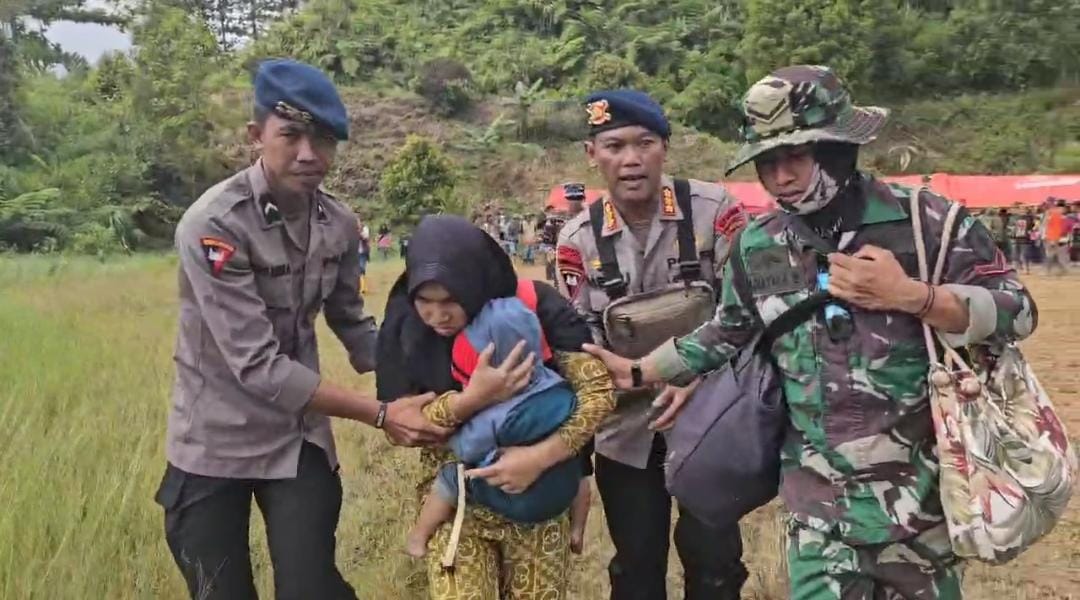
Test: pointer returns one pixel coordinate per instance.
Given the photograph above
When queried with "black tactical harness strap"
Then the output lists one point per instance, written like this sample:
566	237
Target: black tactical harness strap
612	280
689	265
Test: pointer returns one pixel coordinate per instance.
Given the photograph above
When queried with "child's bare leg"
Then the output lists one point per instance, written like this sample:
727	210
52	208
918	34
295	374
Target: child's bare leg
435	511
579	515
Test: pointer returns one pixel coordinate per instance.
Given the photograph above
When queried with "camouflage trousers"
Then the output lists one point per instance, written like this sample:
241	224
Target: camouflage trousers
823	567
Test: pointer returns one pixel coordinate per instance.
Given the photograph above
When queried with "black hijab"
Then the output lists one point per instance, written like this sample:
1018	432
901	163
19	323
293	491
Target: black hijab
448	250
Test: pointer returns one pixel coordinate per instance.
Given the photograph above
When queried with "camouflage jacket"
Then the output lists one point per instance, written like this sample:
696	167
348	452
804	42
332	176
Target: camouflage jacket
858	458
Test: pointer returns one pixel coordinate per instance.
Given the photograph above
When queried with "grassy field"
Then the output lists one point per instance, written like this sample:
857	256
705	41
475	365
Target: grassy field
85	374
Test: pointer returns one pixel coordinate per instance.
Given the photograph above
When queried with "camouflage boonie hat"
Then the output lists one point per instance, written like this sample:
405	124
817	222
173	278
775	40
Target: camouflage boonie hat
801	104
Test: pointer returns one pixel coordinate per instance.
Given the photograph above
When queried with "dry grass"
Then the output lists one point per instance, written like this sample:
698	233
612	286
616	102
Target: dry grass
85	373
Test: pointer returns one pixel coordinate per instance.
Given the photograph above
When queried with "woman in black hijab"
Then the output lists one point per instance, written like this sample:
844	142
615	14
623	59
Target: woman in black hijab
452	270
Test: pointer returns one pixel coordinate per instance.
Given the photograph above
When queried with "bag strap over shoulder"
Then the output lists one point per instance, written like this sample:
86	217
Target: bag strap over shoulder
951	355
689	265
527	293
805	233
613	282
794	316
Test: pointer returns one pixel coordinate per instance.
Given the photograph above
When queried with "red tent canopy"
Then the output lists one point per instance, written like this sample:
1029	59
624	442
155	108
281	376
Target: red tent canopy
751	195
1003	191
973	191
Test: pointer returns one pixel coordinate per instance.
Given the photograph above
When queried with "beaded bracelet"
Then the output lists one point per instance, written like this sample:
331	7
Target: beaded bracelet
930	296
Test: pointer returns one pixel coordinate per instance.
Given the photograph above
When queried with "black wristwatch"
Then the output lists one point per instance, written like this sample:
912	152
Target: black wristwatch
636	378
380	418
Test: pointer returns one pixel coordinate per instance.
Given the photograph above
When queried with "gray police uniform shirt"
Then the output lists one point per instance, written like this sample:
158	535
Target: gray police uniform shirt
247	363
625	436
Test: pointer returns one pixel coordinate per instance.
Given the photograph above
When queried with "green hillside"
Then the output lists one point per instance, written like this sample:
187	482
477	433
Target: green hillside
103	159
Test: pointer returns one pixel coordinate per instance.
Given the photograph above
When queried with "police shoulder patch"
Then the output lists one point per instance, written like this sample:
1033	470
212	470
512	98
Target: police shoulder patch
217	253
729	221
571	267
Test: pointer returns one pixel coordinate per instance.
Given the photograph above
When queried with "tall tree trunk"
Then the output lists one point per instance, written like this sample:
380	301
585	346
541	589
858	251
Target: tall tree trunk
254	16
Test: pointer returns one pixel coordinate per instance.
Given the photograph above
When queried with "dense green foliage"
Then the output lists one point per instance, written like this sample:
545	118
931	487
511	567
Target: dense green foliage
235	21
109	150
104	158
11	130
418	181
697	56
1032	132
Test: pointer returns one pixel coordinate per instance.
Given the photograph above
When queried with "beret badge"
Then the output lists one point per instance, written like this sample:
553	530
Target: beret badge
599	112
290	112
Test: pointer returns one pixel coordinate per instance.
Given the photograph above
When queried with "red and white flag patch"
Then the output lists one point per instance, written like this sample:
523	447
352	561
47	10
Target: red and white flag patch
217	253
729	222
571	269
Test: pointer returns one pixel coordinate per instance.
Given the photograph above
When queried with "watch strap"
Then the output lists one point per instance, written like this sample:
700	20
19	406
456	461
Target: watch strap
636	378
380	418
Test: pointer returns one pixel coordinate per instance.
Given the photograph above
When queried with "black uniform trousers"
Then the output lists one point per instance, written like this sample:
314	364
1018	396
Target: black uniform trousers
206	526
637	507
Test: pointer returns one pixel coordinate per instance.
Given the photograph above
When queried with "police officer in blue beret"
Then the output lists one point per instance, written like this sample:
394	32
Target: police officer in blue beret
628	247
261	253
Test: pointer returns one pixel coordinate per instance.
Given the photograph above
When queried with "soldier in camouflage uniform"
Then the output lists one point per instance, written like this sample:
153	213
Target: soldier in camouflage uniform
859	473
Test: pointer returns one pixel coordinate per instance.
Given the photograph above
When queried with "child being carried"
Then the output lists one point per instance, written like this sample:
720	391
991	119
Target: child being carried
539	409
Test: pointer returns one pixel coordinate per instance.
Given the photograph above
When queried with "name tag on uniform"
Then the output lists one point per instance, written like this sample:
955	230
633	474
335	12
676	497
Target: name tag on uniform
771	273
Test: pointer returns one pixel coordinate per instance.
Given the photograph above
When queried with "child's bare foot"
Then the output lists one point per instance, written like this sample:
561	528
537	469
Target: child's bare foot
579	516
416	544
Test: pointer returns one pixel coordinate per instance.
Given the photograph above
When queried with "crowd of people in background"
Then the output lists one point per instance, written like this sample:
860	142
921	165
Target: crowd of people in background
1048	234
523	237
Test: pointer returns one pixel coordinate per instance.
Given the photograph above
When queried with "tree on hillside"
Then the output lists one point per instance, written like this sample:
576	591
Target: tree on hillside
1034	43
11	128
447	84
236	21
175	62
418	181
337	36
525	96
607	71
857	38
711	101
113	77
23	46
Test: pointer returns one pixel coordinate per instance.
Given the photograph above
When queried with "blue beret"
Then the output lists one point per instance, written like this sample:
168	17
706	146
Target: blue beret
300	92
612	109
